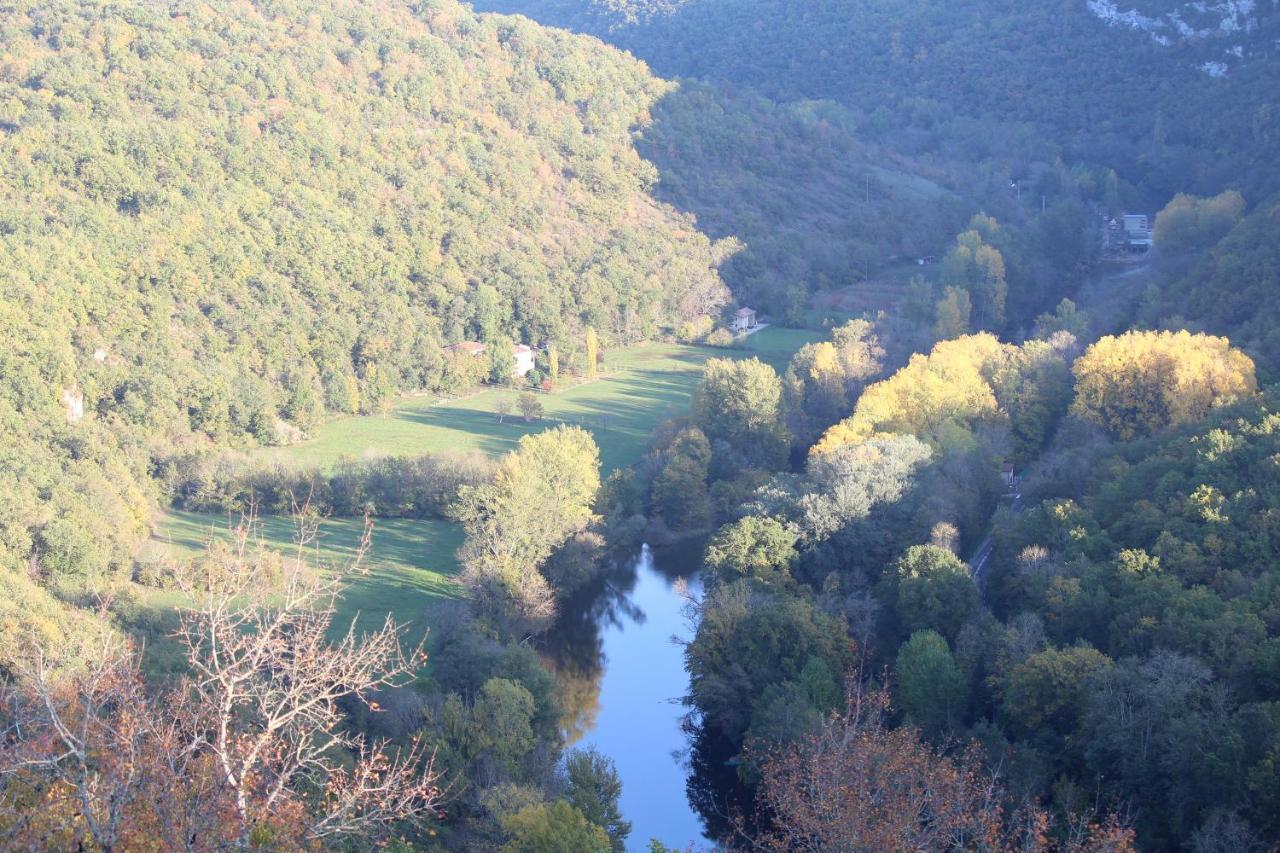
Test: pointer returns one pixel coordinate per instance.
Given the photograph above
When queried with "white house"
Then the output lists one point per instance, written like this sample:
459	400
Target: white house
1137	228
744	320
524	356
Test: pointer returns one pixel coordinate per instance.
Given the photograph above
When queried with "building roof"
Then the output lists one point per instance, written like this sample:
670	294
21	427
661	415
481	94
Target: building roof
743	312
522	348
469	347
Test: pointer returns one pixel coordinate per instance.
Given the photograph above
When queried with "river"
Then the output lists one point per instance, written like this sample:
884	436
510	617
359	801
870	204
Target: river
624	673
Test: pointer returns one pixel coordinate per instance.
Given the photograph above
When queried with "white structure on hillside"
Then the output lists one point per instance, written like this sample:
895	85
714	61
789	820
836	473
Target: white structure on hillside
744	320
1137	228
524	356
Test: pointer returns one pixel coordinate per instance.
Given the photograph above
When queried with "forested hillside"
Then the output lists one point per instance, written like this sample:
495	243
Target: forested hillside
219	224
1170	108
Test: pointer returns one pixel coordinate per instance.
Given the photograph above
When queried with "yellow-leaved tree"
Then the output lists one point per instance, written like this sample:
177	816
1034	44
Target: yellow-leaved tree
1141	382
951	385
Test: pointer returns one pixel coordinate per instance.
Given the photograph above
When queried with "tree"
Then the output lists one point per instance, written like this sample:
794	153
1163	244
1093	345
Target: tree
750	638
1049	691
1141	382
553	363
754	547
933	589
554	828
930	688
502	408
1188	223
858	785
740	402
530	407
679	491
591	355
1033	387
251	746
948	387
952	314
1066	317
541	494
593	787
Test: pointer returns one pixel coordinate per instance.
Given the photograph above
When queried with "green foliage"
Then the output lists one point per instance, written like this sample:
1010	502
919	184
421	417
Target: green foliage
1234	290
1050	690
553	828
750	639
932	589
1188	223
678	493
930	688
977	267
594	789
219	223
541	494
740	402
759	548
922	78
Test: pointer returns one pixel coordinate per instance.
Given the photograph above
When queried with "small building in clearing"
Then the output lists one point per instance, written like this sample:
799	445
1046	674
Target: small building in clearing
524	356
1137	228
744	320
473	348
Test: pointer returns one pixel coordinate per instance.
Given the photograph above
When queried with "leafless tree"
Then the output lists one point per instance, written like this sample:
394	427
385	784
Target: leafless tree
253	737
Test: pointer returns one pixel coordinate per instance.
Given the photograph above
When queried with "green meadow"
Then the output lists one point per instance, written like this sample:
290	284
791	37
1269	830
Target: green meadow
638	388
412	563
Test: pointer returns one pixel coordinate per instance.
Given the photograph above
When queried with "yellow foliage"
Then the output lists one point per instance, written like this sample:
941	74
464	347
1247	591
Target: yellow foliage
1140	382
950	385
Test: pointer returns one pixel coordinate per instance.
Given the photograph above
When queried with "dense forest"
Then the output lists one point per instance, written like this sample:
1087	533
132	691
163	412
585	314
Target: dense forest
219	226
988	558
936	76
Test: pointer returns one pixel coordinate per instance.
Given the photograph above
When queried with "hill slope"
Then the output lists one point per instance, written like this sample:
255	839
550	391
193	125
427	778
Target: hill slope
1174	95
219	220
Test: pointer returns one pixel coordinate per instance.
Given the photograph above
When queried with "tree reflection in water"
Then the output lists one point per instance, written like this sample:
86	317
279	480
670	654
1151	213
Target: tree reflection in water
623	684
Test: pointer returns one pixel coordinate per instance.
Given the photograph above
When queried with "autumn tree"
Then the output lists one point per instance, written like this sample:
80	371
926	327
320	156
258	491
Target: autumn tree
857	785
950	385
591	355
953	314
541	494
250	746
1141	382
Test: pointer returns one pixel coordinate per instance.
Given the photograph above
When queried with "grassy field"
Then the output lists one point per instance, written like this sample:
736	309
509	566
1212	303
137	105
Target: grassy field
412	563
639	387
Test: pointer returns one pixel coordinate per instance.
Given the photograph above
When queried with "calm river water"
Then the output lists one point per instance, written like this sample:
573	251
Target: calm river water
624	672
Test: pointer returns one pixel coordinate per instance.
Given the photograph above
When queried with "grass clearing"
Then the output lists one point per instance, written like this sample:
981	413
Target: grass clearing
412	563
639	387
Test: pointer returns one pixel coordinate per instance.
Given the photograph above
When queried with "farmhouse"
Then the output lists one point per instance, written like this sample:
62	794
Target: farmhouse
524	360
521	353
1137	228
744	320
467	347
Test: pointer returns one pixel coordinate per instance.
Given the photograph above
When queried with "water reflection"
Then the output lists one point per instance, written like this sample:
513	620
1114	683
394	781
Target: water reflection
623	677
